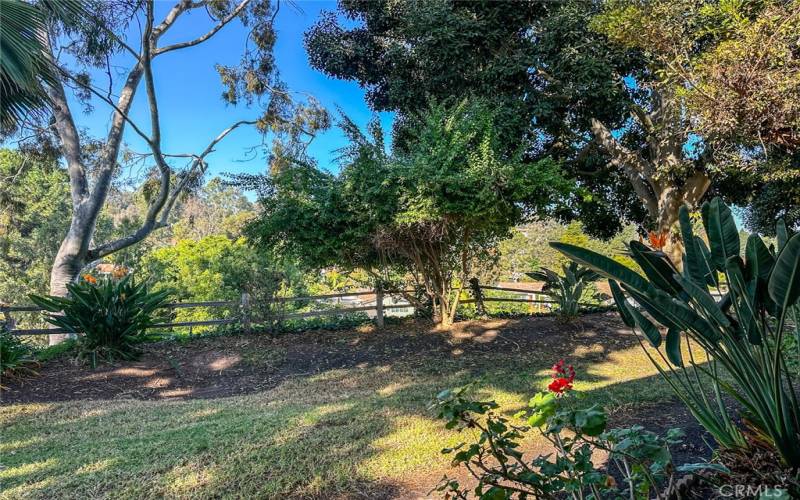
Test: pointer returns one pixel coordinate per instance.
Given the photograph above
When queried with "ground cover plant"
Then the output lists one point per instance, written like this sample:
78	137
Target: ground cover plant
742	333
16	358
208	417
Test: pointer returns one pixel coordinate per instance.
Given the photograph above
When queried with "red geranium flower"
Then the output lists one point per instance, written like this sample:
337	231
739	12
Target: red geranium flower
562	378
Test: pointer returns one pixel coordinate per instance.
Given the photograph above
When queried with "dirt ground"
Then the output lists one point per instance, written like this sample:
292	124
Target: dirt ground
214	367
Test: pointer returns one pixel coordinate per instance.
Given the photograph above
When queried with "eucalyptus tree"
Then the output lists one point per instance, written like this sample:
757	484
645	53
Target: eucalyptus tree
128	38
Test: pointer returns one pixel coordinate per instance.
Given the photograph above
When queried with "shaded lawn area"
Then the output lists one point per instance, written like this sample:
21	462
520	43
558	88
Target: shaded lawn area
324	414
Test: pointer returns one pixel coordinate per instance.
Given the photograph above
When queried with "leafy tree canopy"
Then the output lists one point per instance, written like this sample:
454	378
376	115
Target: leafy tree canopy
432	208
736	67
546	73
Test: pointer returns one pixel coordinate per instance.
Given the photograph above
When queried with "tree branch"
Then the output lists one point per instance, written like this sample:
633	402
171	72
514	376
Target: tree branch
190	43
695	188
68	133
160	217
631	163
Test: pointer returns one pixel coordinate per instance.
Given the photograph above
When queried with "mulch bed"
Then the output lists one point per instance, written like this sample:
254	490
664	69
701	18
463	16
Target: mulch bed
219	366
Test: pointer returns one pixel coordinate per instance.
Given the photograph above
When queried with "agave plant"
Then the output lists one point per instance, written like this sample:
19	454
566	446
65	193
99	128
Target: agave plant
110	316
565	290
742	334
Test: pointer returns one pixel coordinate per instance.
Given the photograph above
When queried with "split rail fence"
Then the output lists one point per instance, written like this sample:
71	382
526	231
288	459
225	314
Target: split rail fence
245	317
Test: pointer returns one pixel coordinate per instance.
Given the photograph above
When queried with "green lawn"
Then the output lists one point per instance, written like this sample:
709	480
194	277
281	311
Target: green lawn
360	432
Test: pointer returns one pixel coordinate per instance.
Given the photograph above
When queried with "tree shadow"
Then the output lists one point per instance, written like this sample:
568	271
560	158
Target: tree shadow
353	427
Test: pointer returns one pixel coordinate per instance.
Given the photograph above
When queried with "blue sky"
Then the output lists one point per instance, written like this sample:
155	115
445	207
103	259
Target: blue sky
189	91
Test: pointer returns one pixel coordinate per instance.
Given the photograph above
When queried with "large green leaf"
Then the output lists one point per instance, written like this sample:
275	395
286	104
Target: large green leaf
704	301
723	236
607	267
646	326
621	302
784	282
656	266
709	270
647	303
759	259
673	347
781	234
693	260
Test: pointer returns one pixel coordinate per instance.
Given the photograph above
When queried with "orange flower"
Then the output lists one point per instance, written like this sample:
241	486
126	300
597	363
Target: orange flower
657	240
89	279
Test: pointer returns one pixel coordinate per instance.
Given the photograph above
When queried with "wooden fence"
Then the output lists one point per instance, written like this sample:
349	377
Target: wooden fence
245	316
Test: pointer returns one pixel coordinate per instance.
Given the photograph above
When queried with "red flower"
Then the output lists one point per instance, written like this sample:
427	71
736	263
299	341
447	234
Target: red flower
562	378
559	385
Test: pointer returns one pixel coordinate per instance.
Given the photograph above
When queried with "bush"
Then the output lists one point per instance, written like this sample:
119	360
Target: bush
16	358
742	334
641	458
110	315
566	290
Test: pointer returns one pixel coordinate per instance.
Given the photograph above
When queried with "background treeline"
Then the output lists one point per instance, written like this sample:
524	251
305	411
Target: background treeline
203	254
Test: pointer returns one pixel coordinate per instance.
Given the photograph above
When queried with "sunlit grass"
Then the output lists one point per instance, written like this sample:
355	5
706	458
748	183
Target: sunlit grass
339	433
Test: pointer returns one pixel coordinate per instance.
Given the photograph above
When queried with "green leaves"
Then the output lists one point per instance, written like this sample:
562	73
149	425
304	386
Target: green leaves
109	317
722	232
693	262
741	334
784	282
605	266
647	327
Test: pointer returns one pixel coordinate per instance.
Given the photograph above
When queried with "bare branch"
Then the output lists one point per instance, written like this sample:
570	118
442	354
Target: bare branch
190	43
160	217
68	132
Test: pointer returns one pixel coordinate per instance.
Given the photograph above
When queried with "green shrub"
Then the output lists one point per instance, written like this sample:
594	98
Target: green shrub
742	334
16	358
641	458
566	290
109	315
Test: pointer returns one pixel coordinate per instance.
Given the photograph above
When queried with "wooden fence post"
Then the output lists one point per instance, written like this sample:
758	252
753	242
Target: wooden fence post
379	305
475	287
245	312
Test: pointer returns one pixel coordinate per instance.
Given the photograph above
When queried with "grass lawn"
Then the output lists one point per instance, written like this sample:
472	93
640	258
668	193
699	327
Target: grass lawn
340	414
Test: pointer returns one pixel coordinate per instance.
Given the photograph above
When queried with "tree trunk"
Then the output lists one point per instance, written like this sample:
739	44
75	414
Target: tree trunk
69	261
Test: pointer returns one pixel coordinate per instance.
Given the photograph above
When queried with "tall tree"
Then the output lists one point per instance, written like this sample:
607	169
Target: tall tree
105	40
736	66
431	209
562	83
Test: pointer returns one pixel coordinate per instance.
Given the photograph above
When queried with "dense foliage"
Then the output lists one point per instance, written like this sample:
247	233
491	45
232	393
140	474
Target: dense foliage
433	210
545	71
736	67
217	268
16	357
110	315
742	333
34	207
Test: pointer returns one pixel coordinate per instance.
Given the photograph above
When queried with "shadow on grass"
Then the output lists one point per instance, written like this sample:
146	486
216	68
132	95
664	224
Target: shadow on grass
355	428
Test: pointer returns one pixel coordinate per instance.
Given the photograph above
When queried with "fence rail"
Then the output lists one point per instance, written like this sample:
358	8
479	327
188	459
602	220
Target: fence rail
246	318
